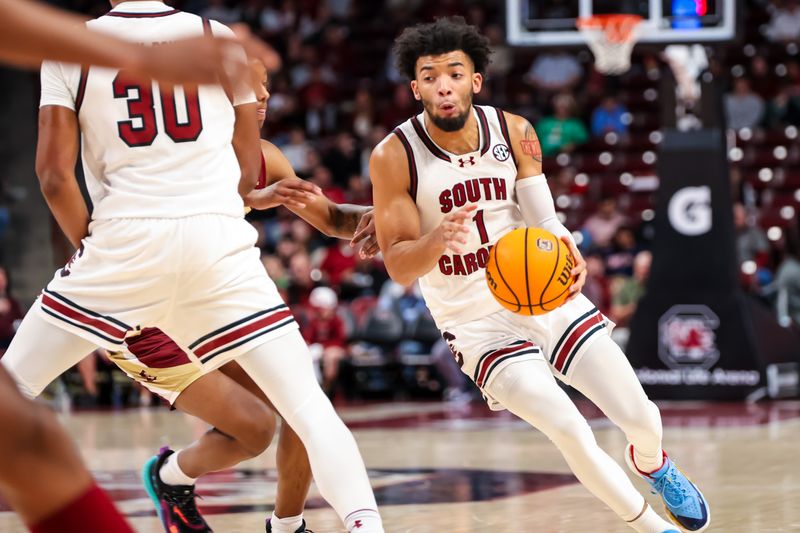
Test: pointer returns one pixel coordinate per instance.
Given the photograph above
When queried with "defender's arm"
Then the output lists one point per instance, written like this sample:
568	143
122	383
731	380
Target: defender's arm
303	198
56	155
247	147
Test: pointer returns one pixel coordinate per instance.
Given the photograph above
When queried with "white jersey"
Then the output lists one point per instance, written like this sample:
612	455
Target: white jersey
440	182
147	151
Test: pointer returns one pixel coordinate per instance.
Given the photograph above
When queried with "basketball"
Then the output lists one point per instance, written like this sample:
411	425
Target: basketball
528	271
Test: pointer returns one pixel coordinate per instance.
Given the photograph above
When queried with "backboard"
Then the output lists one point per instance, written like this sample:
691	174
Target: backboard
552	22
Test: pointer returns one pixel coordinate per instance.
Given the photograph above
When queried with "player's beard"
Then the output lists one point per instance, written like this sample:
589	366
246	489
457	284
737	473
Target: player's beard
449	124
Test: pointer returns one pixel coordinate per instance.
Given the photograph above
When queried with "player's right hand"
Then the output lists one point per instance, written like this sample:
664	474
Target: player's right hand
452	231
291	192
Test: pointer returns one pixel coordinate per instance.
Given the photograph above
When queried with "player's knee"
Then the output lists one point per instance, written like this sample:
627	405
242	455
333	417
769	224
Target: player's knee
571	433
316	421
262	431
253	429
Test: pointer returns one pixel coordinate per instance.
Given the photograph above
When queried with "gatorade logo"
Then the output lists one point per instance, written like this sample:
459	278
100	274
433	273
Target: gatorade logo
689	211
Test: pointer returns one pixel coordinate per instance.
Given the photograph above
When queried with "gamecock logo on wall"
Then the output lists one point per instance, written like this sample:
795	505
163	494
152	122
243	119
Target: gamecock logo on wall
687	337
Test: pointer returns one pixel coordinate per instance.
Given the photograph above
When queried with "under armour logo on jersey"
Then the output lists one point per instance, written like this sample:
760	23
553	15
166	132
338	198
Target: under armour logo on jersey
357	524
463	162
147	376
500	152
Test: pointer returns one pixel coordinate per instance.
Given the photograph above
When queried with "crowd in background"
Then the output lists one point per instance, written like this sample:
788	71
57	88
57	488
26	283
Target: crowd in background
338	94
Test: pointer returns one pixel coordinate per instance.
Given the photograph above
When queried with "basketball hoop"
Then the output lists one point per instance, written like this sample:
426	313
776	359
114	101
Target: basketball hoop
611	39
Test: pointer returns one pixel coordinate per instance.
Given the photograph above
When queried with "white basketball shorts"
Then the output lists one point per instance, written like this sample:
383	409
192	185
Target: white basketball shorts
485	346
198	279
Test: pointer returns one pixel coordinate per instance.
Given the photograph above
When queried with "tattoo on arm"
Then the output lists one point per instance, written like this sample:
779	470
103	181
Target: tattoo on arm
530	143
342	221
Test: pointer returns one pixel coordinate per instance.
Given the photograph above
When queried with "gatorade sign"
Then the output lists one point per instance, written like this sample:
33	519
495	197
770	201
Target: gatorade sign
689	210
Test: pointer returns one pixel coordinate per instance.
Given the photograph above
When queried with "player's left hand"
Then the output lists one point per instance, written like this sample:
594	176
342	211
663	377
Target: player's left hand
365	234
578	271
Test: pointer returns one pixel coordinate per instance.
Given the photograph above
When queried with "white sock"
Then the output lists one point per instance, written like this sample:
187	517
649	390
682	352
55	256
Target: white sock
290	524
650	522
364	521
648	463
171	473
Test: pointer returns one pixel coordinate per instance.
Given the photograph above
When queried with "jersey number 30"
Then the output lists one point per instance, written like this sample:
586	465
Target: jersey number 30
142	107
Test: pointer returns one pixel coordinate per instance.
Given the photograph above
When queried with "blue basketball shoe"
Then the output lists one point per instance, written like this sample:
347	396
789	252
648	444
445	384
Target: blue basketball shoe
685	504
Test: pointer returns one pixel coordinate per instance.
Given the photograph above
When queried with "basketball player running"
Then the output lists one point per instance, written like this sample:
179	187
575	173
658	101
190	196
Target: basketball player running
447	184
167	245
170	477
47	483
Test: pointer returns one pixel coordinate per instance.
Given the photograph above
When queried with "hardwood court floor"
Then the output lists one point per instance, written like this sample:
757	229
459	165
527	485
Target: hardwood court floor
436	467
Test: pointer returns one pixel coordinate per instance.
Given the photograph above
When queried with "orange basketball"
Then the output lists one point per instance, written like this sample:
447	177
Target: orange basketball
529	271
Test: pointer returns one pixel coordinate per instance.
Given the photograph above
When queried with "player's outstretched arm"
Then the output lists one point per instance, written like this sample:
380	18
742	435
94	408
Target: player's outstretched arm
56	155
533	193
31	32
407	253
303	198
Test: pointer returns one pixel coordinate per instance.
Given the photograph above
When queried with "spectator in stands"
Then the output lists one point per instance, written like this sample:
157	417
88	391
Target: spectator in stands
751	241
323	178
553	72
316	96
277	272
10	312
325	333
363	113
596	287
338	263
277	20
400	108
761	77
501	64
561	132
344	159
296	151
787	285
785	23
366	279
604	223
610	117
626	291
619	256
784	108
743	107
301	279
359	191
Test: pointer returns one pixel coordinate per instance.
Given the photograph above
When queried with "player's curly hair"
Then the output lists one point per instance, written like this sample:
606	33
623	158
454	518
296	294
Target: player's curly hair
445	35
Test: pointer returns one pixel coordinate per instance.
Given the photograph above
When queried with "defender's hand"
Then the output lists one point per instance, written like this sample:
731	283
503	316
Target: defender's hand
291	192
452	231
578	271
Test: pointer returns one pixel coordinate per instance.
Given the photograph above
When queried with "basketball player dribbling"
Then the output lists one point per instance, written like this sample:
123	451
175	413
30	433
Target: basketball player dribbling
43	478
167	246
447	184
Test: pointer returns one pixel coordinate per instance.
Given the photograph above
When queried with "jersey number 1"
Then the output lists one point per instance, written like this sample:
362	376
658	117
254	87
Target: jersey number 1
478	218
142	107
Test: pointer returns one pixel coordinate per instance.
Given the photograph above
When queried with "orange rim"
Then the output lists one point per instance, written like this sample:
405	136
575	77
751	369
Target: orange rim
618	28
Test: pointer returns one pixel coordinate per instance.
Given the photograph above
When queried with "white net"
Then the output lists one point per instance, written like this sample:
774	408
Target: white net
611	40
